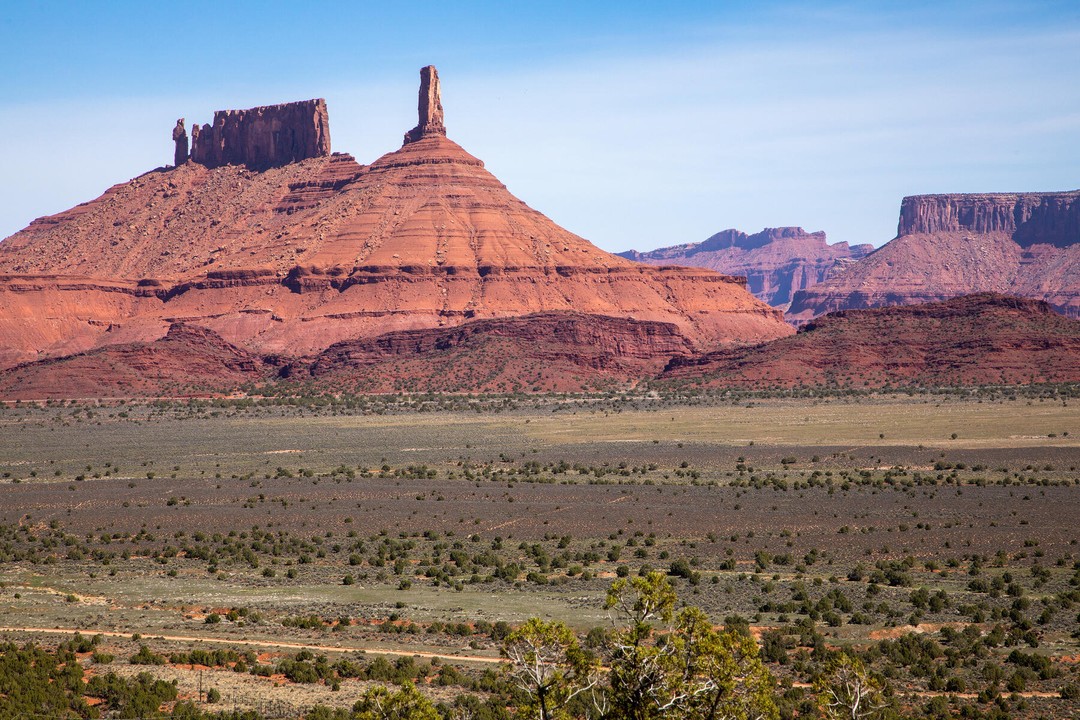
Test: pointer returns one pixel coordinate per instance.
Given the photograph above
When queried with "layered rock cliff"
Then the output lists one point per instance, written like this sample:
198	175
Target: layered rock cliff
1025	244
1028	218
776	262
290	259
260	137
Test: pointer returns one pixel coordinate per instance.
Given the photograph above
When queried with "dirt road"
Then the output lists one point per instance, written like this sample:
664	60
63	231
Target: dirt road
261	644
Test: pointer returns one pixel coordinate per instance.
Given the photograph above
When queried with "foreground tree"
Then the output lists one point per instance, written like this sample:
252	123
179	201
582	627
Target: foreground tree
549	665
639	680
848	691
717	675
676	665
408	703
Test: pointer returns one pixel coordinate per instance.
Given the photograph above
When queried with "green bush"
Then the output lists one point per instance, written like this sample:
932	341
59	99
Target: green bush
146	656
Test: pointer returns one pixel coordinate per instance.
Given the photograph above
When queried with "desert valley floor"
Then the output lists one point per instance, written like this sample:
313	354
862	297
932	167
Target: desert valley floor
418	530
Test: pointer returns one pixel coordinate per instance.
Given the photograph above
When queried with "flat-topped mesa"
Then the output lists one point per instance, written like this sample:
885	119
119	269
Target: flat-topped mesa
1025	244
429	107
263	137
1028	218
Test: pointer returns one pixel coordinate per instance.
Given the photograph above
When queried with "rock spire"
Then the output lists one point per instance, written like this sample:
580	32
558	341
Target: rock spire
293	260
429	107
179	136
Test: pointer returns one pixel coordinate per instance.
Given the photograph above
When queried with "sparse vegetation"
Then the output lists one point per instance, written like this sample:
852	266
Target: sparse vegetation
947	567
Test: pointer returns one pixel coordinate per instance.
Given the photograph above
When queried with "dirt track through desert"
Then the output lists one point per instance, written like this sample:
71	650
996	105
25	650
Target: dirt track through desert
261	644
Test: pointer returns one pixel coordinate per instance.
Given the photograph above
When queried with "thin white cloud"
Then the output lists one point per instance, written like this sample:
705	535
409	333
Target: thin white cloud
655	150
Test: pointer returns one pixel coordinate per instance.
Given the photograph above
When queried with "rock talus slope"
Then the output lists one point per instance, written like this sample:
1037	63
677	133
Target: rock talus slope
292	258
1025	244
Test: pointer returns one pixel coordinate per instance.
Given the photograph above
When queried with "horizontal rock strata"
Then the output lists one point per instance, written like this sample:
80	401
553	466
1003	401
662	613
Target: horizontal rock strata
291	259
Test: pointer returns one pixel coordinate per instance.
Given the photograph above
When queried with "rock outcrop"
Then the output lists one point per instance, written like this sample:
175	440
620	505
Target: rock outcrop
262	137
188	361
180	142
1028	218
562	352
292	259
970	340
429	107
1025	244
539	353
983	339
776	262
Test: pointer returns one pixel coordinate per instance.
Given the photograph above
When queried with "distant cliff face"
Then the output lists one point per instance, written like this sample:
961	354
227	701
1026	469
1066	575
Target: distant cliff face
261	137
1029	218
776	262
1025	244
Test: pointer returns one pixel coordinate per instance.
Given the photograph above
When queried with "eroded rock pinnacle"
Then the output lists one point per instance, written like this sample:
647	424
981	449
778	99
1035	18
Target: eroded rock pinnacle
429	108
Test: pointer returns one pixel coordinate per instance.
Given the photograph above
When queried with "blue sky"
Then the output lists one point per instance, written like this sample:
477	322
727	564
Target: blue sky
634	124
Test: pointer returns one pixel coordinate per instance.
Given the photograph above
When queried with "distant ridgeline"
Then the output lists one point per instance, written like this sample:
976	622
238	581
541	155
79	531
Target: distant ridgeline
260	137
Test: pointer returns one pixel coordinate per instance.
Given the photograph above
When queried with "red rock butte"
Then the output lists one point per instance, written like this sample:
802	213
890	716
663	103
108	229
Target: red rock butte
278	246
261	137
